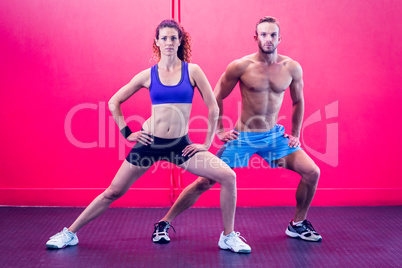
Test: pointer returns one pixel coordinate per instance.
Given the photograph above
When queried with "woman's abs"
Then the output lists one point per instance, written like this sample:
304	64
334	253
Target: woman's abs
168	121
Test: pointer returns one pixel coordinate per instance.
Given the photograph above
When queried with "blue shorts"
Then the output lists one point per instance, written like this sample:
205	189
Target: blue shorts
270	145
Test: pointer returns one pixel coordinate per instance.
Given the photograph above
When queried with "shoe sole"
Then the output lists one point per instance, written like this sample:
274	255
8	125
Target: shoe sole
240	251
296	235
161	241
56	247
244	251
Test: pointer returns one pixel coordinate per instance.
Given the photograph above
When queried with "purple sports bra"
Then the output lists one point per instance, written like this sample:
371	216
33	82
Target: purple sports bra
183	92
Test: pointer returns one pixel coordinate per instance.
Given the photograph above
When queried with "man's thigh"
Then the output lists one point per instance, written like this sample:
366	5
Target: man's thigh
298	161
236	154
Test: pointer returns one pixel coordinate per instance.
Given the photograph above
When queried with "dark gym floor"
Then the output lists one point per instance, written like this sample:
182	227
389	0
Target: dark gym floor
352	237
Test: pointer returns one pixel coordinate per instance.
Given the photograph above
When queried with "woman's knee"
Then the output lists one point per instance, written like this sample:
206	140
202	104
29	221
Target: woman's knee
112	194
228	176
204	184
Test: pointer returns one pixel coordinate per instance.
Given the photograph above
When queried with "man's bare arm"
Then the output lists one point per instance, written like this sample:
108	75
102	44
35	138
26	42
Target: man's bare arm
296	93
225	86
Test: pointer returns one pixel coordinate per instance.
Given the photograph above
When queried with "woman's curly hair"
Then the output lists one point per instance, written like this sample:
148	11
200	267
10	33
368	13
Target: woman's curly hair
184	51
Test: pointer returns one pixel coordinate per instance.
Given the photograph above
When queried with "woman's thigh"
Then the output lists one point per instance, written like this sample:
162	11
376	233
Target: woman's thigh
205	164
126	176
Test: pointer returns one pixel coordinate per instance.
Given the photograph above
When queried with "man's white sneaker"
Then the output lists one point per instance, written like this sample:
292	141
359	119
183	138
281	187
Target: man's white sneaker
304	230
62	239
233	242
160	234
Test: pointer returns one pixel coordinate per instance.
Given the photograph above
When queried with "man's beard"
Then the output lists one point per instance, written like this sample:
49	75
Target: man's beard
267	52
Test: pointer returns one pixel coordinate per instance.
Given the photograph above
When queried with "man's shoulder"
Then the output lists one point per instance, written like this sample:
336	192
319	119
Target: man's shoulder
287	60
293	66
242	63
248	59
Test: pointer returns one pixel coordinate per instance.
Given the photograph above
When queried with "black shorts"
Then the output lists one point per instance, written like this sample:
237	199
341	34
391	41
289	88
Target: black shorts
159	150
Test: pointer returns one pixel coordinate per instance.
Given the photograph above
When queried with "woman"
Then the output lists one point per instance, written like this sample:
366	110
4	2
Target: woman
164	136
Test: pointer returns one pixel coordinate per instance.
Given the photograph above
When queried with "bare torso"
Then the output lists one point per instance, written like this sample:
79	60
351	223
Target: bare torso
169	120
262	89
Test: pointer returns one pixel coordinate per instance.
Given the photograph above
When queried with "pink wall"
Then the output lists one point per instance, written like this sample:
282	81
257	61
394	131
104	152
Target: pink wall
60	56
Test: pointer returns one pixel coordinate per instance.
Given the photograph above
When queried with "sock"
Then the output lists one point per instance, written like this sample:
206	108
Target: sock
227	234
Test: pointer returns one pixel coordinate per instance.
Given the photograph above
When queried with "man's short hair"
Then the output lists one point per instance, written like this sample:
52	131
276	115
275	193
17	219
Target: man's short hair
267	19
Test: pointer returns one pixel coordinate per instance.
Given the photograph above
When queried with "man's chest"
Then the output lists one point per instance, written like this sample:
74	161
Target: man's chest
276	79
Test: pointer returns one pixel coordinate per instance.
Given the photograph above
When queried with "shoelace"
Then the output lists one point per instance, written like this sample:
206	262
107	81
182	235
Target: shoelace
165	229
309	226
61	234
237	234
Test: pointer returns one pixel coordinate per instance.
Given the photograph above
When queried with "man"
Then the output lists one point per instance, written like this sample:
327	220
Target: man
263	77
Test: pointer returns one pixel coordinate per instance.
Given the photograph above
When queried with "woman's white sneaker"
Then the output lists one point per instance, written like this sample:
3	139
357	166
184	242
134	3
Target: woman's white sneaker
62	239
234	242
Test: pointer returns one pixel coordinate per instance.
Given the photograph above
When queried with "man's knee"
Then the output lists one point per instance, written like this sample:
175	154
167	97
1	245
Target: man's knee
312	174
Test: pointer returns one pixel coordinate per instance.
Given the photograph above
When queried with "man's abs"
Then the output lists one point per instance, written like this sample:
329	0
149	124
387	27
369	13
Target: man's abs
259	111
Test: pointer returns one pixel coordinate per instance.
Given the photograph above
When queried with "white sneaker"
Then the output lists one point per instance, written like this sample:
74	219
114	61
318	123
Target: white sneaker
233	242
304	230
62	239
160	234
